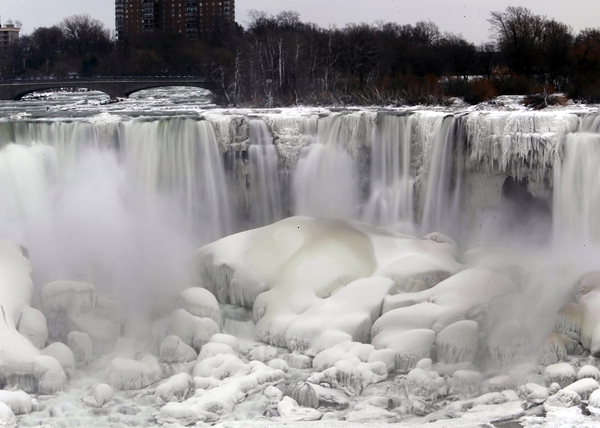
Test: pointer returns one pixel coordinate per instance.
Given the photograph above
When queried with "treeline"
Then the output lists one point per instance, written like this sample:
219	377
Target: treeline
280	60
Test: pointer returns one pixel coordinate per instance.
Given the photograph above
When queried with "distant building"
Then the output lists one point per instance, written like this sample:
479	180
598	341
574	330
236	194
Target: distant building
193	18
8	34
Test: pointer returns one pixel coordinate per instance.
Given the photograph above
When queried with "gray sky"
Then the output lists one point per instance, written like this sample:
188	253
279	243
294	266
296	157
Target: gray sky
466	17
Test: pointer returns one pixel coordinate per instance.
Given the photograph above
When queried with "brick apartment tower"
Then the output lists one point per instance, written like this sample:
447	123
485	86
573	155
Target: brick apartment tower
195	19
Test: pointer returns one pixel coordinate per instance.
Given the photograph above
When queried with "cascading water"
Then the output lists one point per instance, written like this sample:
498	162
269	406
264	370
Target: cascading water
577	191
392	179
442	207
265	199
325	182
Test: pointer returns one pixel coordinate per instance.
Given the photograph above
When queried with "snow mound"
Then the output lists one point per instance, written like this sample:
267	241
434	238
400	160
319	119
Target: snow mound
588	371
289	410
101	395
81	345
49	374
19	402
33	326
561	373
63	355
458	342
176	388
238	381
563	398
128	374
200	302
584	387
17	353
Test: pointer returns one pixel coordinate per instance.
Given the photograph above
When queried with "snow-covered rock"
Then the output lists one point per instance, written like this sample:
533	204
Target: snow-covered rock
101	395
200	302
18	401
263	353
205	329
103	330
289	410
588	371
365	413
7	417
584	387
561	373
174	350
81	345
298	361
214	348
176	388
563	398
220	366
127	374
594	402
533	393
278	364
49	374
60	300
33	326
63	354
312	395
350	376
17	353
554	349
466	383
458	342
227	339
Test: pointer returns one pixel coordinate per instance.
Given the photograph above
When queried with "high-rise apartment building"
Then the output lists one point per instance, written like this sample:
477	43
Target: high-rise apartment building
192	18
8	33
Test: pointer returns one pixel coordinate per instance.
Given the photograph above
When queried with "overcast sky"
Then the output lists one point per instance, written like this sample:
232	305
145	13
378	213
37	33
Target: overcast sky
467	17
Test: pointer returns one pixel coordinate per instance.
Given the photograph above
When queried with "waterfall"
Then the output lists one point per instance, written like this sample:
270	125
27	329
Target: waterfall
181	159
392	181
325	182
265	191
442	208
577	191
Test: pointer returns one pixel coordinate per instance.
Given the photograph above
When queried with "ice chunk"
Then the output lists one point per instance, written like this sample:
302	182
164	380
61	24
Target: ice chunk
594	402
289	410
220	366
533	393
212	348
176	388
227	339
458	342
17	353
409	346
33	326
63	354
365	413
127	374
7	417
466	383
174	350
351	310
205	329
561	373
262	353
60	300
101	395
298	361
426	385
418	272
200	302
584	387
81	345
351	376
184	325
563	398
18	401
49	374
588	371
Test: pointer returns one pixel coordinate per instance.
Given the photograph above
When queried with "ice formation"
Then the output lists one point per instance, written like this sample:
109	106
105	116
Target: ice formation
365	313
